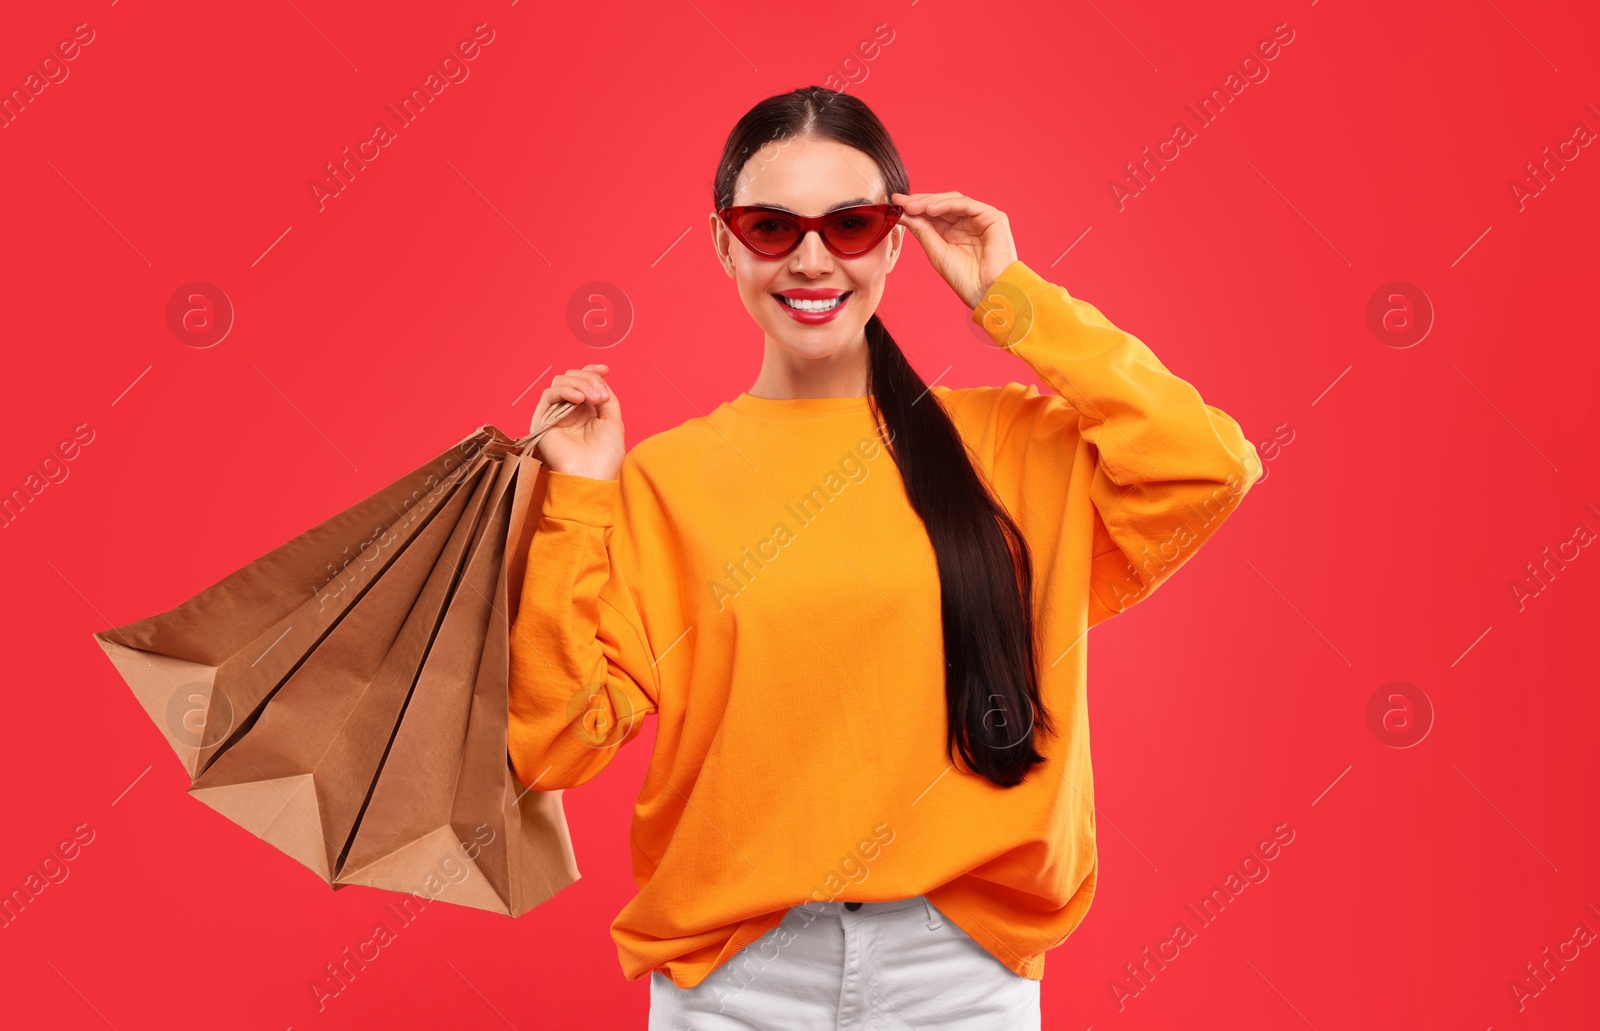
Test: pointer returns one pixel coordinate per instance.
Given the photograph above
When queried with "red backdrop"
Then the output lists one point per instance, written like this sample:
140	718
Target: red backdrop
1366	182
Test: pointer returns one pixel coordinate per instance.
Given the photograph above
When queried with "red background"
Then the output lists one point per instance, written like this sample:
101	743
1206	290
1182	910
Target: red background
429	296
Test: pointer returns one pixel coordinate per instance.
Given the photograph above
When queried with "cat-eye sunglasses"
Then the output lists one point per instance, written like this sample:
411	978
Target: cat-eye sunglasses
848	232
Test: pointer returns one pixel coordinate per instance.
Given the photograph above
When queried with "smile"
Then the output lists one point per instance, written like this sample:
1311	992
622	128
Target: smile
827	305
813	311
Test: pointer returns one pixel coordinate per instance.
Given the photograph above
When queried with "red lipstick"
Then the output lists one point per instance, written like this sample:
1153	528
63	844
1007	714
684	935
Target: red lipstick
818	309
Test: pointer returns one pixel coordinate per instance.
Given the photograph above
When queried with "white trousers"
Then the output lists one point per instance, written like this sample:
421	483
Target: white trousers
887	966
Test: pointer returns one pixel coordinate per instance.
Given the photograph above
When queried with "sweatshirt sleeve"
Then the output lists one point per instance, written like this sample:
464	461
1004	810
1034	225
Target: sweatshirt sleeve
582	675
1164	468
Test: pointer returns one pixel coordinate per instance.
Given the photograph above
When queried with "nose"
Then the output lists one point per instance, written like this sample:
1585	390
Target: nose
812	257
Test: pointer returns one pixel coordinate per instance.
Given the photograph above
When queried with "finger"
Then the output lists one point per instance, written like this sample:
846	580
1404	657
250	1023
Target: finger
547	399
586	373
941	222
952	202
920	200
591	383
608	409
926	234
571	395
604	409
956	204
596	375
928	228
578	388
593	387
935	226
923	231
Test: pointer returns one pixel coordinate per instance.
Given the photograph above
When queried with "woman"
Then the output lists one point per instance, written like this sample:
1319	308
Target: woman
870	800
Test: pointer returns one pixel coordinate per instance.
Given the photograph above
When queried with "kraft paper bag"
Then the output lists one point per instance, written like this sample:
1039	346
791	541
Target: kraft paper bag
447	780
232	643
313	752
360	727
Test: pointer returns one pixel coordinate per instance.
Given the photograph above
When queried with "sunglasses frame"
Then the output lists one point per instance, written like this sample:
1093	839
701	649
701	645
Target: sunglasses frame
807	223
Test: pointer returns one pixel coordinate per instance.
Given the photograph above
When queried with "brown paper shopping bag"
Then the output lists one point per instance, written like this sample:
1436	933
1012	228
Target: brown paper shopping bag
445	772
233	642
361	730
299	774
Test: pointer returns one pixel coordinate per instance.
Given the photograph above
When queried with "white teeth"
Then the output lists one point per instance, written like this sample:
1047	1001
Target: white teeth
811	305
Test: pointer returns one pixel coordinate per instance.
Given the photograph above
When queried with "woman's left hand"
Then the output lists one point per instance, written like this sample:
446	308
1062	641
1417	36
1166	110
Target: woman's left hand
967	241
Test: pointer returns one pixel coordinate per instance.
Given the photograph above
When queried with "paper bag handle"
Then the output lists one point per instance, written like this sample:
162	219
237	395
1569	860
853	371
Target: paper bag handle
555	414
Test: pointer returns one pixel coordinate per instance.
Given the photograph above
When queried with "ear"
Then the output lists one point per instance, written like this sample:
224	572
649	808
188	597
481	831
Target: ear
722	242
897	239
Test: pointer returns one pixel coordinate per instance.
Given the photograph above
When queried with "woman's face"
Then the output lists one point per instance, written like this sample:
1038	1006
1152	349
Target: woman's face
810	177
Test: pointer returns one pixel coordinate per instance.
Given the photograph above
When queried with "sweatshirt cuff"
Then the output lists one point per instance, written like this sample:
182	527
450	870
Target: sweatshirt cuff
580	499
1006	310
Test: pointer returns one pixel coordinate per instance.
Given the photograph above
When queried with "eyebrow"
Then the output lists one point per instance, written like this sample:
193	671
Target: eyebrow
851	203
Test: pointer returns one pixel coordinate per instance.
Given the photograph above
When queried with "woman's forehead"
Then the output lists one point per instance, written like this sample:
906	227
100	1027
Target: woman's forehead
808	176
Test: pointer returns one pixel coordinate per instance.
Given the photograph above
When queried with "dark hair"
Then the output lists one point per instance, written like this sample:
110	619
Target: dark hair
985	570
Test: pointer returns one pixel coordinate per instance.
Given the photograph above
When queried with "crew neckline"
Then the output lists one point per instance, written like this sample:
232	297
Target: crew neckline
746	402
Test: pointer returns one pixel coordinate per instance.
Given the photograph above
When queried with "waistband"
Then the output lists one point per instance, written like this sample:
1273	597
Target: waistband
886	906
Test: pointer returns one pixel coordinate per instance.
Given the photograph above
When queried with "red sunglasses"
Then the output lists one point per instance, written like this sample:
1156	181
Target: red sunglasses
847	232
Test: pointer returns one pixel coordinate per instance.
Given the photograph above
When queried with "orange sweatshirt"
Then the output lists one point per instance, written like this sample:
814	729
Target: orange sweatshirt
757	580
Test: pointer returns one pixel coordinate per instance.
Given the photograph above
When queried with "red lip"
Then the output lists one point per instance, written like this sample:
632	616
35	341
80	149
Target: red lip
813	318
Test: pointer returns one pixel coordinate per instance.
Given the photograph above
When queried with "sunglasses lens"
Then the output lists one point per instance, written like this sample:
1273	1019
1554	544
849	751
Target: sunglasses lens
849	232
855	231
768	232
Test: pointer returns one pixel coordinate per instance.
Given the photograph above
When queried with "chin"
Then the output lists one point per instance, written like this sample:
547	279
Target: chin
814	345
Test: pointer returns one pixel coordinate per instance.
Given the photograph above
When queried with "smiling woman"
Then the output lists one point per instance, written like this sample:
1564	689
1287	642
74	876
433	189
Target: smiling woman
887	671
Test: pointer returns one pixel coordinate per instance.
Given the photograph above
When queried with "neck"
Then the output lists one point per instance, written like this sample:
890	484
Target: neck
786	375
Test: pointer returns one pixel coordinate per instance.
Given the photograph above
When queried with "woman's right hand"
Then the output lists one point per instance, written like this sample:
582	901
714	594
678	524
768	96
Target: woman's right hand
587	441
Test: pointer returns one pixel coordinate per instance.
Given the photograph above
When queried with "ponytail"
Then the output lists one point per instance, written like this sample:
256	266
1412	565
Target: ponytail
985	573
